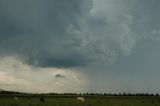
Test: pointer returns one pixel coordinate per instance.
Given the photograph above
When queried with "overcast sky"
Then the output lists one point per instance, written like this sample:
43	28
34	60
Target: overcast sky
80	45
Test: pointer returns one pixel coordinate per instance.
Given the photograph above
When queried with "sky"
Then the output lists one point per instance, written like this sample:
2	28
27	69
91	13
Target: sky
80	46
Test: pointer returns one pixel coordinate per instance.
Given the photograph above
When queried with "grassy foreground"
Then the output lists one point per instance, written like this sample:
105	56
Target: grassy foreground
89	101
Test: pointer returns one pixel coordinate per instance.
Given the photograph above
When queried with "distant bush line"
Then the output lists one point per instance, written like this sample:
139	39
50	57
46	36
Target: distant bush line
12	93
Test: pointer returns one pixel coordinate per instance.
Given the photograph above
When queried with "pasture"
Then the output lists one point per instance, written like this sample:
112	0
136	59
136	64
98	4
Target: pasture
72	101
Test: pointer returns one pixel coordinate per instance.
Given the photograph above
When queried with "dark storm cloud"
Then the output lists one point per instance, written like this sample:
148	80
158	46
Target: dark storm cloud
44	32
65	33
82	35
65	62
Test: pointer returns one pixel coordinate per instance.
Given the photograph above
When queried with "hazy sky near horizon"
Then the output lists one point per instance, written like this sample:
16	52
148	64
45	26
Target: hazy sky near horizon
80	45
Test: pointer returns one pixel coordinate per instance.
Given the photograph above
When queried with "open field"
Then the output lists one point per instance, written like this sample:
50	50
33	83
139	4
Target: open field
72	101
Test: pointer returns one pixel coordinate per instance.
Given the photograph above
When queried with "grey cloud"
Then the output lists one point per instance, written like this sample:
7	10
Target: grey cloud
59	76
37	30
63	33
85	35
145	15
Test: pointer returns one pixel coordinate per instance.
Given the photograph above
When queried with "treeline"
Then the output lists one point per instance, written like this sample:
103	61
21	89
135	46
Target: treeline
107	94
3	92
10	92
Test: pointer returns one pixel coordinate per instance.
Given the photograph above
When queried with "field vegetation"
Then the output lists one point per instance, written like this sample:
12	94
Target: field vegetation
8	98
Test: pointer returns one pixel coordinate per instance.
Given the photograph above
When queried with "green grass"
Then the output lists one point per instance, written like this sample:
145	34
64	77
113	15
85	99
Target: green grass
89	101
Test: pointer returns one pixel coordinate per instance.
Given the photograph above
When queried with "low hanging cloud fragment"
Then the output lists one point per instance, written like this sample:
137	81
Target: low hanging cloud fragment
59	76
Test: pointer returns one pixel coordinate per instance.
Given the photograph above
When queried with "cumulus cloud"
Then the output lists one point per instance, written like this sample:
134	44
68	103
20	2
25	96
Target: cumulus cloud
52	34
145	15
63	33
76	32
18	76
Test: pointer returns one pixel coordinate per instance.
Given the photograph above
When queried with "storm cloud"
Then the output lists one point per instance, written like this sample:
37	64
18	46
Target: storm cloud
62	33
111	40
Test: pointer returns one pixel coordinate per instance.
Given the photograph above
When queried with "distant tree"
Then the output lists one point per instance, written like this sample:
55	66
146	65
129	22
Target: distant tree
157	94
120	94
124	94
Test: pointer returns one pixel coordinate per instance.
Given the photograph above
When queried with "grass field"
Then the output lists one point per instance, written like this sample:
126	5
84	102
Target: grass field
89	101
